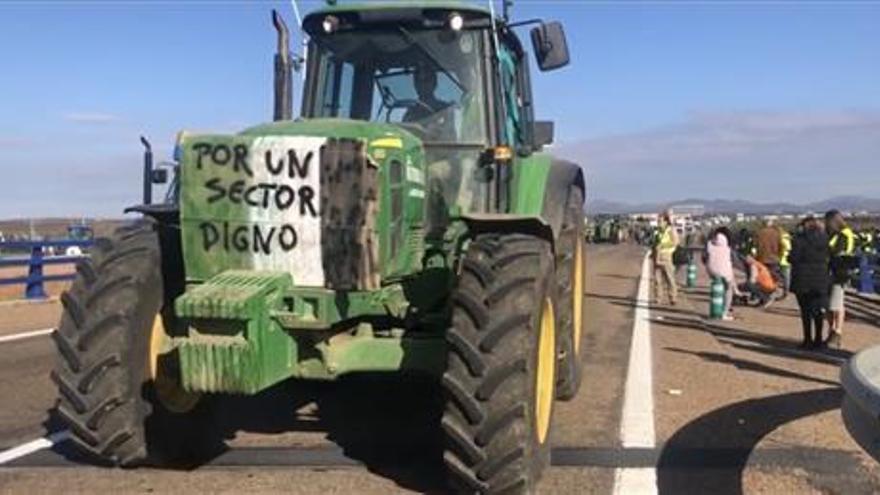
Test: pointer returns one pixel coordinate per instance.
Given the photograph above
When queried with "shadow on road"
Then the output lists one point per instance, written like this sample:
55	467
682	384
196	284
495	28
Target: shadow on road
766	344
862	310
388	423
709	454
747	365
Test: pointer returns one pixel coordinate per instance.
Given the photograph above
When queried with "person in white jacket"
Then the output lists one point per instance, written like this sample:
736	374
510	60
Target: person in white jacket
719	264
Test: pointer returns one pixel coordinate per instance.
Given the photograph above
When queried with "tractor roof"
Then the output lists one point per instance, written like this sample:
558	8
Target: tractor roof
458	5
381	12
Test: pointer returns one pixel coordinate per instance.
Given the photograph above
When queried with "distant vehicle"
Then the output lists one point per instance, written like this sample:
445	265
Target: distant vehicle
80	231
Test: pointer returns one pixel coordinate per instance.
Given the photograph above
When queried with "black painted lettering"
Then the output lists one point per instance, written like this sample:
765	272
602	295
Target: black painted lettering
240	238
202	150
306	196
267	188
226	236
210	235
217	188
287	237
284	197
236	190
240	152
249	196
221	154
301	168
263	244
274	168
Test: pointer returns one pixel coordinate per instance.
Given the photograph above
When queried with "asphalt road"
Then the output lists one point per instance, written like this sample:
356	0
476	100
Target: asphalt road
737	409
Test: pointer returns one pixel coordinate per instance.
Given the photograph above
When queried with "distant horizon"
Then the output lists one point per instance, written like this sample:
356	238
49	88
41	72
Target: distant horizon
846	203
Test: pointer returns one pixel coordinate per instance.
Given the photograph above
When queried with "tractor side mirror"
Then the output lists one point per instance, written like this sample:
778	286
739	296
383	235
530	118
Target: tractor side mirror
159	176
550	46
543	133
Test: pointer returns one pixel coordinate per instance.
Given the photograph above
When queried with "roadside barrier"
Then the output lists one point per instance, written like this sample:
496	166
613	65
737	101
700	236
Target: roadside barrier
716	298
867	272
691	274
35	262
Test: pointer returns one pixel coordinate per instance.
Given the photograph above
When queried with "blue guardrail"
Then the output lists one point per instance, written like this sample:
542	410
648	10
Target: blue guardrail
34	262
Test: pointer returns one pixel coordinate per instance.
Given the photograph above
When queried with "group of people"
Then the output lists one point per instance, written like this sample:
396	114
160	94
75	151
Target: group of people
815	264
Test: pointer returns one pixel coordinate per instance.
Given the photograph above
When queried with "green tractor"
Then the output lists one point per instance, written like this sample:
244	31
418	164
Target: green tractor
408	221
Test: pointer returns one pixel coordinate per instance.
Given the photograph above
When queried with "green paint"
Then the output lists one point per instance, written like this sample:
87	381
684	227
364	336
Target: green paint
371	354
529	184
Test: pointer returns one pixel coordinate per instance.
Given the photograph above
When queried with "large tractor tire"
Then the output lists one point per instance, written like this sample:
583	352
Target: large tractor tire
501	367
570	276
118	391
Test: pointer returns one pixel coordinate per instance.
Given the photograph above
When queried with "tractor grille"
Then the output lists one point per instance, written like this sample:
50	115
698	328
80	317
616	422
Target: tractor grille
349	210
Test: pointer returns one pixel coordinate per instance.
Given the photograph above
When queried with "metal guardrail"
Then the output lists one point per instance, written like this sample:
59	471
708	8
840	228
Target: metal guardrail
35	262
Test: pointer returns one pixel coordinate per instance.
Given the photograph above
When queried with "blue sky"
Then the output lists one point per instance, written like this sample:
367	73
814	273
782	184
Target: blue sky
752	100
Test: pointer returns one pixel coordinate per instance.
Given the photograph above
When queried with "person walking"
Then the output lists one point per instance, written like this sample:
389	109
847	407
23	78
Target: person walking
810	279
664	245
769	250
719	264
842	245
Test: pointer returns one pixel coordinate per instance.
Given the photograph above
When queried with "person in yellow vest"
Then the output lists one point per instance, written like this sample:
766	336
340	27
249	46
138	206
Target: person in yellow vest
784	263
842	243
665	243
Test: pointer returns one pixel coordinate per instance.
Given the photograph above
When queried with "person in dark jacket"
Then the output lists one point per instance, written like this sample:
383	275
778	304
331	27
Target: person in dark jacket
810	280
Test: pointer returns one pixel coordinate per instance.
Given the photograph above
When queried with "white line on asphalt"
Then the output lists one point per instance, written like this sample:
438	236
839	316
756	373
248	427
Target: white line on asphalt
26	335
33	446
637	419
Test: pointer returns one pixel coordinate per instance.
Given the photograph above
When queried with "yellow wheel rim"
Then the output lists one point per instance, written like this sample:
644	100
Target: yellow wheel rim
168	391
578	296
546	370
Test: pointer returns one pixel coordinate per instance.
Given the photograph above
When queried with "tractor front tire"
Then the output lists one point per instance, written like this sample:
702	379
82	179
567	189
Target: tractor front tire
570	276
116	391
501	366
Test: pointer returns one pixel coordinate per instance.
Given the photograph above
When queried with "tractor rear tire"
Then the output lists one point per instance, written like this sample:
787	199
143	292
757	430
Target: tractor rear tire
110	397
501	366
570	275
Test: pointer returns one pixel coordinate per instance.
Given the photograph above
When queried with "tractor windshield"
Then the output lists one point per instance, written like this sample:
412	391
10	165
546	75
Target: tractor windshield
428	81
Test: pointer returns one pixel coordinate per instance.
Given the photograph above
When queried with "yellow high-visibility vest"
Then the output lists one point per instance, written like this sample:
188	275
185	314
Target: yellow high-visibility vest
786	248
666	243
843	243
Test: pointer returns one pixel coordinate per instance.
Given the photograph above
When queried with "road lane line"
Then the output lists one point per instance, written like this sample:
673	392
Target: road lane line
33	446
26	335
637	418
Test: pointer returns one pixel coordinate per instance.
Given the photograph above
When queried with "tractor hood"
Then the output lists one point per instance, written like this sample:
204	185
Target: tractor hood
298	197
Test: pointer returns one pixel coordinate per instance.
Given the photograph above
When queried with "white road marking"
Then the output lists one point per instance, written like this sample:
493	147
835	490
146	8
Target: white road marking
637	420
25	335
33	446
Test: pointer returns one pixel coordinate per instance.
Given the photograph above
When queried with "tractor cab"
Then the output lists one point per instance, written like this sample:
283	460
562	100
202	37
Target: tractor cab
449	74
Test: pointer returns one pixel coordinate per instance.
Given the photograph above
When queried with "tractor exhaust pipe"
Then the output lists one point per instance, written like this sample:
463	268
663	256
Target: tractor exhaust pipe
283	71
148	171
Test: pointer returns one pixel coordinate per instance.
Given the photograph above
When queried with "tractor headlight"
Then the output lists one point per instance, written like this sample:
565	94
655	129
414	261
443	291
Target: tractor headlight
330	24
456	21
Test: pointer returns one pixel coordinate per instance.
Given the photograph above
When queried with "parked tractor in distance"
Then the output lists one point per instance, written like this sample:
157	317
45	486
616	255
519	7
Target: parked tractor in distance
408	221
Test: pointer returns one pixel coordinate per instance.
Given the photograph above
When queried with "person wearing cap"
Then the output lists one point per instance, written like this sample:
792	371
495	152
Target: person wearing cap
842	244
